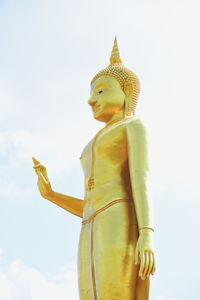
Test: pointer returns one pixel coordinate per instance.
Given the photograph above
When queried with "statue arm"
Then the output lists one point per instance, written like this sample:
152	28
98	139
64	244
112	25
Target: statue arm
139	170
71	204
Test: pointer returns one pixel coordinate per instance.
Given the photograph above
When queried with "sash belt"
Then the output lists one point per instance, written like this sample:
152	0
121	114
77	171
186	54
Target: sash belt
91	218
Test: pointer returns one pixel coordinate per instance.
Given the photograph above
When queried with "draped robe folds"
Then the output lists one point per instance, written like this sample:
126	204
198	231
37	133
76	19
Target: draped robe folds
109	233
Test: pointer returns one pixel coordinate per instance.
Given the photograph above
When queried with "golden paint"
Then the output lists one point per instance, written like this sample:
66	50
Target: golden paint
124	76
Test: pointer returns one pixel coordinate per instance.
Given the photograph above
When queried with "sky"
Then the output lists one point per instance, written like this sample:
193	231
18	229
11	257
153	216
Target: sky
49	52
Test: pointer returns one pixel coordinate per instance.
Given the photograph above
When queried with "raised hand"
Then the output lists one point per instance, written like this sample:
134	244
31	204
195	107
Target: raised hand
144	250
43	180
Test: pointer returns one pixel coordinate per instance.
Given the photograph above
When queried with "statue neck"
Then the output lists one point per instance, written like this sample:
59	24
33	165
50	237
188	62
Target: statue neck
116	117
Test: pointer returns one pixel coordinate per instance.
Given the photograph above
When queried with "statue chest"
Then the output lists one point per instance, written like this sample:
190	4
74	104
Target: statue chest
106	150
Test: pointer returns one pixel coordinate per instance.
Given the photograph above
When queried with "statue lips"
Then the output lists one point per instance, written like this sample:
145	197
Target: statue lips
95	108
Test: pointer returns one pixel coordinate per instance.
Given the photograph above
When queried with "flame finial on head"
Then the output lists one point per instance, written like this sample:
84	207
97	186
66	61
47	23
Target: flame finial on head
115	55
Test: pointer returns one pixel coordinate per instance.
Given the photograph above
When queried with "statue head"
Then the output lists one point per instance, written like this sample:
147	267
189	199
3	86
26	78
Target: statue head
115	87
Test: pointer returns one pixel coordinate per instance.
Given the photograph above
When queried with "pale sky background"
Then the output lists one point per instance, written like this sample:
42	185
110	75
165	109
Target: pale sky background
49	52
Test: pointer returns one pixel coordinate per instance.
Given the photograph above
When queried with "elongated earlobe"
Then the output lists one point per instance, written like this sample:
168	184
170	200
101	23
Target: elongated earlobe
128	90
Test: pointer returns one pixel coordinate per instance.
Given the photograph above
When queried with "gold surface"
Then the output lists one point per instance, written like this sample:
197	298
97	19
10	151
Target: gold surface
127	78
116	254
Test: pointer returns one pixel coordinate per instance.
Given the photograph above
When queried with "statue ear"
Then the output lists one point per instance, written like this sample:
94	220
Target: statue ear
128	90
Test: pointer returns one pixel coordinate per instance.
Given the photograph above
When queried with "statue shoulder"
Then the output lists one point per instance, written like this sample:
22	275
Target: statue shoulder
137	140
136	126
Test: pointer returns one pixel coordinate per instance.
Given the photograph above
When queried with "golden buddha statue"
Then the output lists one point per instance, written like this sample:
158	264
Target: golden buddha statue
116	254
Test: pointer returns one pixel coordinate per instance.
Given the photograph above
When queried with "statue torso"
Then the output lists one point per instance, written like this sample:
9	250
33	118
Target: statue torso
105	164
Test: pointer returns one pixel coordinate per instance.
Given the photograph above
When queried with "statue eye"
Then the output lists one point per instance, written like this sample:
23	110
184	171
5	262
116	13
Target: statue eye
100	92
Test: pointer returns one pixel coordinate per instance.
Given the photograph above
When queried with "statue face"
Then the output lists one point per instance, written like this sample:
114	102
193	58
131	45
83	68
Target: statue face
107	98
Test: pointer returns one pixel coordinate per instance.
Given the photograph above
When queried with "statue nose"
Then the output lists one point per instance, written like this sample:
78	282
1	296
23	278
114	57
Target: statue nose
91	101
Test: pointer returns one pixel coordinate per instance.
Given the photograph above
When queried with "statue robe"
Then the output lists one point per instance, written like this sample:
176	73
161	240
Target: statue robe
109	233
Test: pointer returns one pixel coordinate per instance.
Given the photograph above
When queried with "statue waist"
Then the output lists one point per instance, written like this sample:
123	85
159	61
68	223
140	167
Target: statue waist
91	218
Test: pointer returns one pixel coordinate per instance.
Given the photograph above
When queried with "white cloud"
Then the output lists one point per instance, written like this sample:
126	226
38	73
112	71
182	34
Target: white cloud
1	255
6	103
19	281
2	144
58	145
13	191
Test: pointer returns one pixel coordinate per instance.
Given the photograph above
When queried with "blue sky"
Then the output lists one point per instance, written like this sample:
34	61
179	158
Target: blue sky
49	52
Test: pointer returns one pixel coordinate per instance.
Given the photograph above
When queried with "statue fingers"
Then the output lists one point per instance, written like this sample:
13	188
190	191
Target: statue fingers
142	263
42	171
146	265
154	265
37	164
37	171
41	167
45	180
151	261
41	175
35	161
